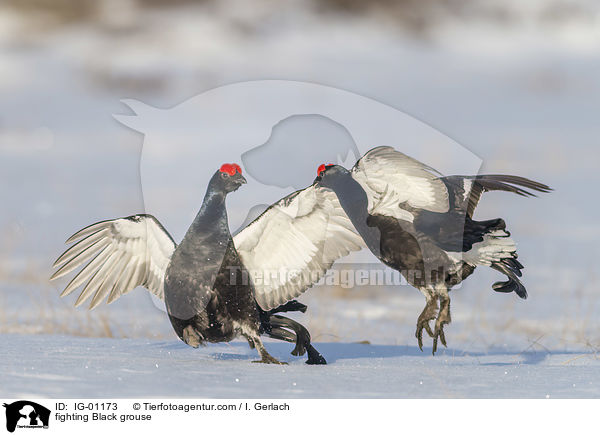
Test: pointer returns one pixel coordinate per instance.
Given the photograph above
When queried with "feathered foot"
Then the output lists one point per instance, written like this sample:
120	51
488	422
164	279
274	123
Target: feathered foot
428	313
265	357
192	337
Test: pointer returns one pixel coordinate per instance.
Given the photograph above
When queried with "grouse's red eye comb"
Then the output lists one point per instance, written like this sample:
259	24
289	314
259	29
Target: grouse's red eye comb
231	168
322	168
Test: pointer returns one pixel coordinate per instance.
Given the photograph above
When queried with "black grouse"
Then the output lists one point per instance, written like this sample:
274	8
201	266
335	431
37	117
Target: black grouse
217	287
421	224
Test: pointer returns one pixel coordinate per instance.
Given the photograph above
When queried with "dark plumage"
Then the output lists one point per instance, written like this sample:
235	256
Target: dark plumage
207	289
205	295
422	225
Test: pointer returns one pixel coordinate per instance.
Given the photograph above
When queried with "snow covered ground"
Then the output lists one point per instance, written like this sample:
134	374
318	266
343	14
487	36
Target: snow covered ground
498	350
108	368
521	92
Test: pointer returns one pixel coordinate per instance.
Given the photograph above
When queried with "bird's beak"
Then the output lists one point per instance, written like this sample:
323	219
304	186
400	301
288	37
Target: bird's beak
241	179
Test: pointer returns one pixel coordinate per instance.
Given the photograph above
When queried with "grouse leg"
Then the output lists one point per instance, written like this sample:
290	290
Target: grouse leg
443	318
428	313
265	357
302	335
250	343
192	337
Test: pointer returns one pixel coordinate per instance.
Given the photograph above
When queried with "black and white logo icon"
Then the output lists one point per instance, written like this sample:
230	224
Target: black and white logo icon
26	414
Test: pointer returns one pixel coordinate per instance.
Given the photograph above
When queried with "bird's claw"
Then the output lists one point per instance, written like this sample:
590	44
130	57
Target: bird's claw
422	324
439	333
443	318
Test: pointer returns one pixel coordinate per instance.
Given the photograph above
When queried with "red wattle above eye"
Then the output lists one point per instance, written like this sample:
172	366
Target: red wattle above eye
323	167
231	168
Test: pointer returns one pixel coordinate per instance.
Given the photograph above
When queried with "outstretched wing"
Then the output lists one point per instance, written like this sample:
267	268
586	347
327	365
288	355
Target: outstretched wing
294	242
121	254
391	179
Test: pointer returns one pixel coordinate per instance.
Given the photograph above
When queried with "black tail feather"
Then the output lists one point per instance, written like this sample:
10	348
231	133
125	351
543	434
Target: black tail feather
301	336
514	266
292	305
513	284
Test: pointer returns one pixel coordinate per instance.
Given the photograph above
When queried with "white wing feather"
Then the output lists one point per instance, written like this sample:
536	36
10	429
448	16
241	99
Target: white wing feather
293	243
127	252
391	178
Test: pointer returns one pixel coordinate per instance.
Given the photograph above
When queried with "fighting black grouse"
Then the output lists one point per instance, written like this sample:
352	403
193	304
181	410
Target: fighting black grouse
421	223
216	286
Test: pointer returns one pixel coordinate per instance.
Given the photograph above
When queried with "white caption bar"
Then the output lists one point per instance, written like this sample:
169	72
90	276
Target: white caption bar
297	416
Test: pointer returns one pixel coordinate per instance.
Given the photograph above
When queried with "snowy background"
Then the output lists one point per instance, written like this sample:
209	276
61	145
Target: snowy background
515	83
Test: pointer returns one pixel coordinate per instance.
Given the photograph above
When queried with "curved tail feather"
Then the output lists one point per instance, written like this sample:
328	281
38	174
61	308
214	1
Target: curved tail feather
510	268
